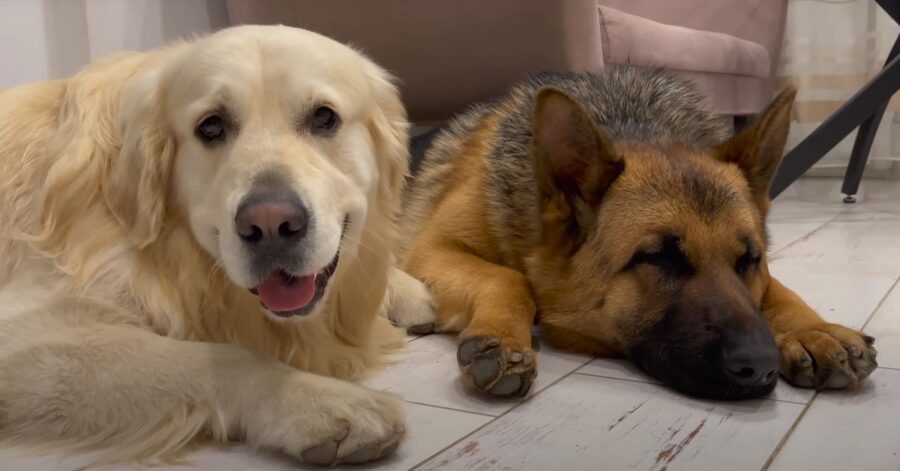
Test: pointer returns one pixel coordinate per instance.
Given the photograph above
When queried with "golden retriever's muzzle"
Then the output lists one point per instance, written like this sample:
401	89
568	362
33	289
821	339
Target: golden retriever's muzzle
272	222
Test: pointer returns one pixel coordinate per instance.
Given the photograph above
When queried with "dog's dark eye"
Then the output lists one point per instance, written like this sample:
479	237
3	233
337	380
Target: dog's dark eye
669	259
211	129
324	120
749	260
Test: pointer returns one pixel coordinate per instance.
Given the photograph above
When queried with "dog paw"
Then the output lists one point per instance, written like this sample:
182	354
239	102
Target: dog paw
330	422
329	452
826	356
410	304
490	366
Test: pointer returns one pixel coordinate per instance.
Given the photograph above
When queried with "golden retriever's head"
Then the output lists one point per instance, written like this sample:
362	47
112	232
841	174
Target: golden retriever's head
277	146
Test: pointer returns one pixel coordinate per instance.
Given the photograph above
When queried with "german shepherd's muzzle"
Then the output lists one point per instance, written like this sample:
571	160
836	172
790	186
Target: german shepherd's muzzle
627	214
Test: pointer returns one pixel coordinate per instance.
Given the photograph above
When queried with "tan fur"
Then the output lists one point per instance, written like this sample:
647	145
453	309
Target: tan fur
118	328
504	241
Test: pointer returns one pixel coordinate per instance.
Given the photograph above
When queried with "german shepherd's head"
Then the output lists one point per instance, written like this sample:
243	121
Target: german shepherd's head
656	250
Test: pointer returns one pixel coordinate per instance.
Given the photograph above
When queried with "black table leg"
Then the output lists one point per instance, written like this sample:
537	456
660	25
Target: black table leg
863	144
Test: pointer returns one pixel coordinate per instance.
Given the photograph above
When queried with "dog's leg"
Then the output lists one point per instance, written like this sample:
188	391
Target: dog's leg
492	308
138	394
815	353
409	303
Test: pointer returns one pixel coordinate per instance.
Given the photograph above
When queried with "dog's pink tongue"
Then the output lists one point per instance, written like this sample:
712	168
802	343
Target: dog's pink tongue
279	292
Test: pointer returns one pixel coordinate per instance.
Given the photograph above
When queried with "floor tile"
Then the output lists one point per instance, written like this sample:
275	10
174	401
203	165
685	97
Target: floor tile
803	211
841	296
885	327
431	429
428	374
622	369
848	431
219	457
845	244
783	234
587	423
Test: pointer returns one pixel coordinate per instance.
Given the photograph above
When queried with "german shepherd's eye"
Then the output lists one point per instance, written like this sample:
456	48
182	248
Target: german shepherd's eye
669	259
324	121
749	260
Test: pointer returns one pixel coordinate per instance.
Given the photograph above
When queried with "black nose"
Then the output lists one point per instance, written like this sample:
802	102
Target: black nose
271	222
750	358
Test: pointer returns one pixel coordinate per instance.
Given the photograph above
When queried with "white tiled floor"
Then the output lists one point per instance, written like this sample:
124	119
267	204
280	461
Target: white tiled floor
602	414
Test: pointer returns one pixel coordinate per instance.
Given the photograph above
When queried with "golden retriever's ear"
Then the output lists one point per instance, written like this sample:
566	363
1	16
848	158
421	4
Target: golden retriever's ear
390	131
137	181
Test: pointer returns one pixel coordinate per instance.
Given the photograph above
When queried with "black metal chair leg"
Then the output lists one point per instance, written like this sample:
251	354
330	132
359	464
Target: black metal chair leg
863	144
860	155
851	114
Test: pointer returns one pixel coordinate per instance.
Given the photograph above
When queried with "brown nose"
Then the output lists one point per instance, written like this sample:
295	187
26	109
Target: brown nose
271	222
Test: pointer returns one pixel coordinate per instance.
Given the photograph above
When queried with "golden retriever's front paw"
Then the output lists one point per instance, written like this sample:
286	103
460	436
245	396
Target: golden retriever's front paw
411	304
343	423
328	453
826	356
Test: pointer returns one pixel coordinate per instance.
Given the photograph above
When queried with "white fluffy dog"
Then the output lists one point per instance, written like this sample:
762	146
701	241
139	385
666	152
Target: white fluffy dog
196	240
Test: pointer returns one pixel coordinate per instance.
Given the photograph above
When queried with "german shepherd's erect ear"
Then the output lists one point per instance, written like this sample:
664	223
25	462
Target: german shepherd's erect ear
757	151
574	164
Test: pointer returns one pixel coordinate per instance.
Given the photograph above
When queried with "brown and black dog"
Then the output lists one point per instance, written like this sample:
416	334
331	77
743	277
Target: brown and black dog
621	211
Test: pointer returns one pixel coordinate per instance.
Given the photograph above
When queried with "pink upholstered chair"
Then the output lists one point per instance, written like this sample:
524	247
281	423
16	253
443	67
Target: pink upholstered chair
449	54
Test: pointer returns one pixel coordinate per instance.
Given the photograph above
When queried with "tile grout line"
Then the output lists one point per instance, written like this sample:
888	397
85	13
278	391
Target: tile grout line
593	375
790	431
496	418
880	303
804	237
483	414
788	434
575	371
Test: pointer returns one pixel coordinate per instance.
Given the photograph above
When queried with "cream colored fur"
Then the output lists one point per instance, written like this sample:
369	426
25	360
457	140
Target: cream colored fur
125	322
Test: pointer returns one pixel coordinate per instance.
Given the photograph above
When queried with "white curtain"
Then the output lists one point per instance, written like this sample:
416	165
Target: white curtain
832	47
46	39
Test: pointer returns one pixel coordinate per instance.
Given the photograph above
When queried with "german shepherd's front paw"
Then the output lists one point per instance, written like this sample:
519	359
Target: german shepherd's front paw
826	356
494	367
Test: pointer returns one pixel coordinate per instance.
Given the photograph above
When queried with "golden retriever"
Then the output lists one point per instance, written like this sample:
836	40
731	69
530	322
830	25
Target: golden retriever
196	241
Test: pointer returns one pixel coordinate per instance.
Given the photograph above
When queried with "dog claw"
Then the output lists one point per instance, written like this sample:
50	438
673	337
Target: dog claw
805	361
421	329
324	454
363	455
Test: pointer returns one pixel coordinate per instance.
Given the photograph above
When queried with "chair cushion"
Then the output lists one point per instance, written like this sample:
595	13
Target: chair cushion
632	39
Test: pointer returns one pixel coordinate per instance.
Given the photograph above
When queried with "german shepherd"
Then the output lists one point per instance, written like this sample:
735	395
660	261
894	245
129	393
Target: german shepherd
621	211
